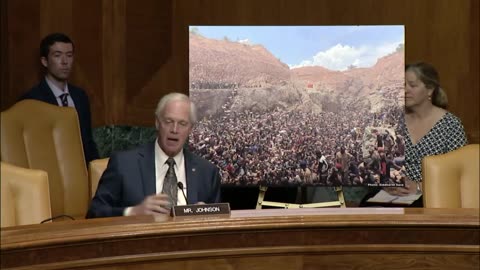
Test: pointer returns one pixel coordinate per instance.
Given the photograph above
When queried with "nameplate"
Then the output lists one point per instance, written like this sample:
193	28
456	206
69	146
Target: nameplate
211	209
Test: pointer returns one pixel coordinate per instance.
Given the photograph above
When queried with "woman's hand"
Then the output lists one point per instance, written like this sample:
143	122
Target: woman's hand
411	187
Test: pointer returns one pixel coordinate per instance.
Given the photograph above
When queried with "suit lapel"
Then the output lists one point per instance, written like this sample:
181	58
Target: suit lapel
191	175
47	93
74	94
146	163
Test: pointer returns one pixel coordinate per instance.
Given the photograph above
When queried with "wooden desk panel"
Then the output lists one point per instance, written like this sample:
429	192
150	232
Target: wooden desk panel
250	239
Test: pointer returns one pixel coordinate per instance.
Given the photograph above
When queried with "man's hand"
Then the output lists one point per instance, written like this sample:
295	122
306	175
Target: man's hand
157	204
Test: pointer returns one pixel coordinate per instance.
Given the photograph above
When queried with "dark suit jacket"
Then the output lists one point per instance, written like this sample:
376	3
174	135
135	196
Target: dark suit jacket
130	177
42	92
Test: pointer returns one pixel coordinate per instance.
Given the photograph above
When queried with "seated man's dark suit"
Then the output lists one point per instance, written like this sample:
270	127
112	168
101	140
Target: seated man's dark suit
42	92
130	177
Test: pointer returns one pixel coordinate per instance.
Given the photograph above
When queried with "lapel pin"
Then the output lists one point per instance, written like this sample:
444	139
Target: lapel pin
193	169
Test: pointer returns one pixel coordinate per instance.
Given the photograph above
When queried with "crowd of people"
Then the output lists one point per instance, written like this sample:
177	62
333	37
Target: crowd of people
279	147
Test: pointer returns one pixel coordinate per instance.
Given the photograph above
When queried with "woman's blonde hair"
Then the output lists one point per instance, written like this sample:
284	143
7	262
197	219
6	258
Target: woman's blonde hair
429	76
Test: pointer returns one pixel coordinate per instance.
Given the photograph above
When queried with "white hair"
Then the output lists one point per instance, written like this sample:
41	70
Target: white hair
175	97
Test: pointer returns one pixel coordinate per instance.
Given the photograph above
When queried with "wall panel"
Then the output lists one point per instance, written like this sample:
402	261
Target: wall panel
130	53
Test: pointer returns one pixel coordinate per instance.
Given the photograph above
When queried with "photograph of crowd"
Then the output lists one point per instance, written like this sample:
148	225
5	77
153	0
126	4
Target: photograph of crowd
334	118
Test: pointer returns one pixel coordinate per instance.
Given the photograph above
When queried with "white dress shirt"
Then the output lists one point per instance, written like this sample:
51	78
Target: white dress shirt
57	92
161	169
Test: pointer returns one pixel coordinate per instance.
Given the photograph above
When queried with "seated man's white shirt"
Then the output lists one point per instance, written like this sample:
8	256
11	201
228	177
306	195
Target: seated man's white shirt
161	168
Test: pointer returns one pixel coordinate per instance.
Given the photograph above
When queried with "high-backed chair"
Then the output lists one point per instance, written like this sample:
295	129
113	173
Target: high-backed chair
452	180
95	171
25	197
39	135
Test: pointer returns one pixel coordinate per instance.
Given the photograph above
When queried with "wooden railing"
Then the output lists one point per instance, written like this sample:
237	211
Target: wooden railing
361	238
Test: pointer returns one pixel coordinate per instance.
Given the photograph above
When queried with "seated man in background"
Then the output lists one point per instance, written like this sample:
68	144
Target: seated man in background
143	181
56	55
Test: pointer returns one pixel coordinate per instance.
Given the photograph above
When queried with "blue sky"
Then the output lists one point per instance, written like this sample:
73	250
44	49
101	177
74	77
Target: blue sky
333	47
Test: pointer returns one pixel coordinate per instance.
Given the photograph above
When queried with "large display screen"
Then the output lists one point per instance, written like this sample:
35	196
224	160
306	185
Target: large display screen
299	105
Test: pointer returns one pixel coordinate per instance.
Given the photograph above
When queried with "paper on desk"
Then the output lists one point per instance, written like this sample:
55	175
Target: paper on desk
384	197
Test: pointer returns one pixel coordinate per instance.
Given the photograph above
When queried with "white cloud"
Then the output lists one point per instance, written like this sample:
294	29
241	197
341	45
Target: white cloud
340	56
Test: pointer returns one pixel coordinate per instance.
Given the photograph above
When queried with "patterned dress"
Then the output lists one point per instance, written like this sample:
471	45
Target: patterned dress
445	136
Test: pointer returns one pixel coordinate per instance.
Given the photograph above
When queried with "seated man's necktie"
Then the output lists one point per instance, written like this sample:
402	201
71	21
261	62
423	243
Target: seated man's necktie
170	182
64	99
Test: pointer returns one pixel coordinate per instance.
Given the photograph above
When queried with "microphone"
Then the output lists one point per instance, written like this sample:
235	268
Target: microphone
191	210
180	186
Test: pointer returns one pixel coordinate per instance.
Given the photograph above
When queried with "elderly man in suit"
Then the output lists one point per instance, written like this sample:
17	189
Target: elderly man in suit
56	55
144	181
